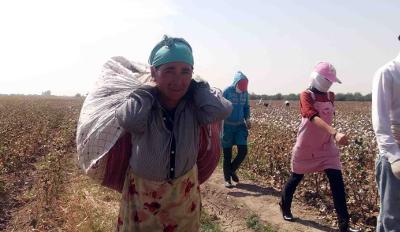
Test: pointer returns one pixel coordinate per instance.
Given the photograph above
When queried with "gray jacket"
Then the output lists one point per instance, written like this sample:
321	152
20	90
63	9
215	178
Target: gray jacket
143	116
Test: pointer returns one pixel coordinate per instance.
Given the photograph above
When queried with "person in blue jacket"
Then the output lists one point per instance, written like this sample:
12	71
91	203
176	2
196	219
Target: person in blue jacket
236	127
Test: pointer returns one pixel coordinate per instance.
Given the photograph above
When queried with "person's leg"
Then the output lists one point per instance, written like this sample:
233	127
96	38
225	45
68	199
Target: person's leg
381	189
287	195
227	163
227	143
389	195
242	152
241	141
339	197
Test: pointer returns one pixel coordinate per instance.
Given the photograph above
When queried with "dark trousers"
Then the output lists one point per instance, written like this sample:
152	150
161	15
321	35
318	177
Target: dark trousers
337	188
231	166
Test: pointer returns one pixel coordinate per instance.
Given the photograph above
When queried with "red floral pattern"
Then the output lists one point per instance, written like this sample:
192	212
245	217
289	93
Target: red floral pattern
171	206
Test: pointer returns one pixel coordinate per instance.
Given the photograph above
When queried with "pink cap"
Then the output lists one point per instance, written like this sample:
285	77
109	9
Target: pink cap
327	71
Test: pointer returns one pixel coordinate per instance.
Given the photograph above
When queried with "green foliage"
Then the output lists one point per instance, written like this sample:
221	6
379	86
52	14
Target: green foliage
253	222
209	223
46	93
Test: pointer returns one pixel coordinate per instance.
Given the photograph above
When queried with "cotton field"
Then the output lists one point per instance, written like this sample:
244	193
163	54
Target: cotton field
273	135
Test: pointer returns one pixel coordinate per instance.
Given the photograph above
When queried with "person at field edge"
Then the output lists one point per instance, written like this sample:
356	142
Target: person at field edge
161	190
236	127
386	124
315	149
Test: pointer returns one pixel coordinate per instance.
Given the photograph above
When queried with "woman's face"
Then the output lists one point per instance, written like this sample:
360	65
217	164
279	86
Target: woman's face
173	81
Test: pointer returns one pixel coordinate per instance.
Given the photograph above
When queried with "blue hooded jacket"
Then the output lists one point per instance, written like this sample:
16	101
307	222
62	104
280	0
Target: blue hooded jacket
240	101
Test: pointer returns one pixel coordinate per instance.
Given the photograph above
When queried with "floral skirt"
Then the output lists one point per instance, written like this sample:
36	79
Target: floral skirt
169	206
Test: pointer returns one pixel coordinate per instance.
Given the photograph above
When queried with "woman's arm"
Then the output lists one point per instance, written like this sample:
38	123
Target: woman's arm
308	111
246	111
132	115
340	138
209	103
382	98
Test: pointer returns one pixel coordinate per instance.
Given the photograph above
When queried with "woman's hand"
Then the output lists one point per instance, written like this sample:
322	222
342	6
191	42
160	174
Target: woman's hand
146	88
341	138
248	124
396	168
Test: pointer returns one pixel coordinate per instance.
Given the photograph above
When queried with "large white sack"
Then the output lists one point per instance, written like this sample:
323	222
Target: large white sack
98	128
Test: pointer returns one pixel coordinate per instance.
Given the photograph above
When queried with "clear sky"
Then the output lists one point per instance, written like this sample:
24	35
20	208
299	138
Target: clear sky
61	45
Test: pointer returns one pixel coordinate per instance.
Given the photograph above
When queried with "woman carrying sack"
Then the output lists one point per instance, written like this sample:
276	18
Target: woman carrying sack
315	149
161	189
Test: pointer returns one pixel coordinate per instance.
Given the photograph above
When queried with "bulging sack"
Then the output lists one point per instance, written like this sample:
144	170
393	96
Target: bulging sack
209	151
98	129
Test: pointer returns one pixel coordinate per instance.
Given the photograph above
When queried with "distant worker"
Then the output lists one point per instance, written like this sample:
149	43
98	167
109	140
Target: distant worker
236	127
386	124
315	149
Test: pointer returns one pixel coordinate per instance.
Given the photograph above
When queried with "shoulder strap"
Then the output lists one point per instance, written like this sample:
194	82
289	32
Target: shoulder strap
312	94
330	94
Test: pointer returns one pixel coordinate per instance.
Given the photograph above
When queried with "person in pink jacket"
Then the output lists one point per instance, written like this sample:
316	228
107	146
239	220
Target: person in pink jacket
315	149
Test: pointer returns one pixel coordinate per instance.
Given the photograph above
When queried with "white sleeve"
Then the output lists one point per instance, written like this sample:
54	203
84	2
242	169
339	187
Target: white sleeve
382	98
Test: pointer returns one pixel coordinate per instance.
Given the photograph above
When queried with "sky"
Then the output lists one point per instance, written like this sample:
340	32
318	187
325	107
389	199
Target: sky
61	45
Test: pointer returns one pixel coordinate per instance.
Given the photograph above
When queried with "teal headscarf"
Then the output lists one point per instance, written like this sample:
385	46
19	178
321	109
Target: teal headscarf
171	49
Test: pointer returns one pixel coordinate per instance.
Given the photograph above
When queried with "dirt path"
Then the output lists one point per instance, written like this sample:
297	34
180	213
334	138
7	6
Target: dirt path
233	206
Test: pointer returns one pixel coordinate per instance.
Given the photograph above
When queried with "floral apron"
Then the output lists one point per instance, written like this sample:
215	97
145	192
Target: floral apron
169	206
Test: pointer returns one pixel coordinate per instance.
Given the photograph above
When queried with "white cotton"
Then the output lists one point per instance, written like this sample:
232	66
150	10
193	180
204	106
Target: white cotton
319	82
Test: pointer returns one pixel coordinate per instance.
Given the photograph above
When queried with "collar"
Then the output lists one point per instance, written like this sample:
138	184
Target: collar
176	110
314	90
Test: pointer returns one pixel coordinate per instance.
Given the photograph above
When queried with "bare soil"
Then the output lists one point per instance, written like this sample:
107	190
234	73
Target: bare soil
85	206
232	207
